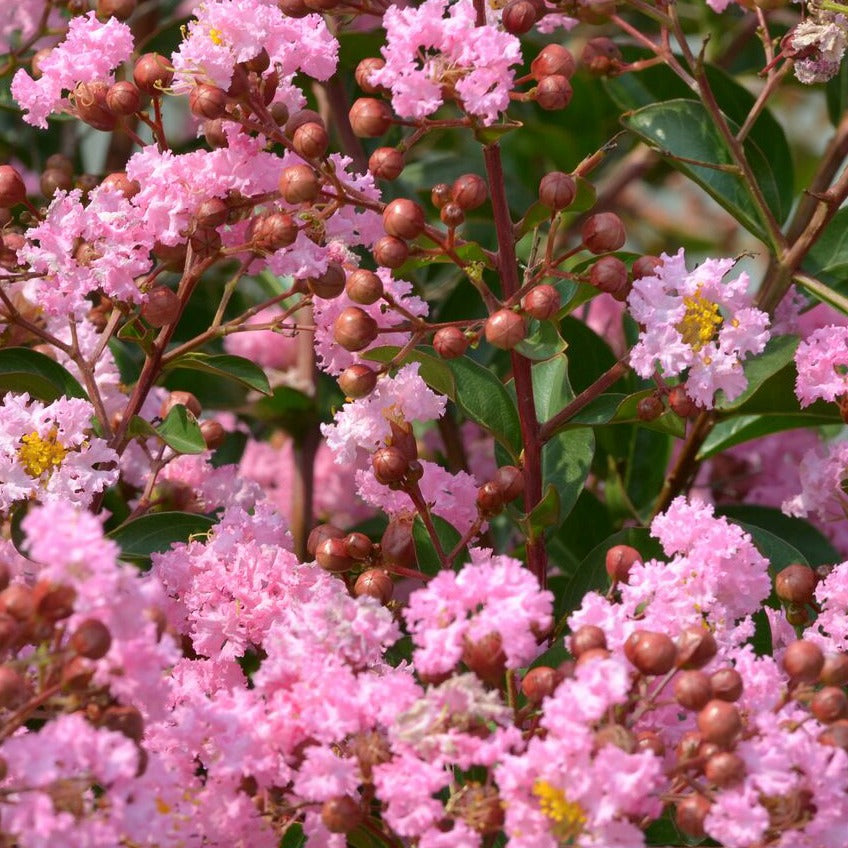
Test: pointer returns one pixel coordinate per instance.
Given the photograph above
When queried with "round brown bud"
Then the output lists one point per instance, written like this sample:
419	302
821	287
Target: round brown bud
505	329
403	218
649	408
450	342
650	740
298	184
557	190
586	638
89	99
692	689
341	815
180	398
91	639
680	403
726	684
311	141
386	163
330	284
321	532
364	287
519	16
440	194
354	329
205	241
836	735
119	181
603	232
13	687
397	546
553	92
645	266
18	601
213	434
451	215
259	63
375	583
489	499
796	584
161	306
653	653
719	722
55	603
609	274
690	813
126	720
370	118
357	381
273	231
60	161
172	256
538	683
510	481
803	661
152	73
301	117
332	556
55	179
835	670
212	212
553	60
12	188
595	12
390	252
469	191
364	69
542	302
279	113
829	704
601	56
358	546
120	9
294	8
591	656
486	658
390	465
724	768
123	98
213	131
620	559
208	101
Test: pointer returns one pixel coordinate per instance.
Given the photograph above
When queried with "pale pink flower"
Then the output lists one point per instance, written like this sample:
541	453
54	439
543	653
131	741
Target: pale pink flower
830	629
19	22
267	348
822	362
822	473
694	323
90	52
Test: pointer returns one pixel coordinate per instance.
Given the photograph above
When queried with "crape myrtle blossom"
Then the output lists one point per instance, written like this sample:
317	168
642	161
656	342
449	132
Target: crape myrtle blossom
817	45
694	323
823	471
48	453
90	52
830	629
822	363
427	51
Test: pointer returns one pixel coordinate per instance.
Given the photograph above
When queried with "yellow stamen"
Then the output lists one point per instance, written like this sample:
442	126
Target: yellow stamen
38	455
567	816
701	322
215	36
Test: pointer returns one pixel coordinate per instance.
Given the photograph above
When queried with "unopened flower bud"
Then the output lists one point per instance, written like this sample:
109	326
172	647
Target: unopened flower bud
152	73
390	465
161	306
835	670
557	190
357	381
181	398
603	232
489	499
719	722
54	603
650	740
330	284
403	218
469	191
553	92
18	600
510	481
119	181
652	653
796	584
519	16
354	329
505	329
601	56
450	342
440	194
803	661
332	556
692	689
358	546
680	403
619	560
53	180
386	163
836	735
586	638
690	813
726	684
341	815
553	59
397	546
451	215
298	184
205	241
542	302
390	251
375	583
89	99
370	118
123	99
649	408
364	287
311	141
595	12
126	720
321	532
13	687
724	769
91	639
208	101
829	704
364	69
609	274
273	231
120	9
486	658
213	434
539	683
645	266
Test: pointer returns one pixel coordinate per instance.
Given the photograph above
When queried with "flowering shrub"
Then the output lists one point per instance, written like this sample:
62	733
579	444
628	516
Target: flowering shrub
422	424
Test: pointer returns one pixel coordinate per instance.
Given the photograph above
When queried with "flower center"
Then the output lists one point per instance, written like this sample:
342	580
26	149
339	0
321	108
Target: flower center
701	322
568	817
216	36
38	454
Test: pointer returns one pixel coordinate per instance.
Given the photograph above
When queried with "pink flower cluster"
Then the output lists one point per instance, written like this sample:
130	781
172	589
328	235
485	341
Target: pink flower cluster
822	362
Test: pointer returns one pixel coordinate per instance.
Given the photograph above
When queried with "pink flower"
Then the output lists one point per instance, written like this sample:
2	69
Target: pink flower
267	348
695	323
830	628
425	51
822	473
47	452
822	362
91	51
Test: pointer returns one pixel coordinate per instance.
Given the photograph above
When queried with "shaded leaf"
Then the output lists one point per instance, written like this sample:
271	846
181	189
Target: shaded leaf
25	370
157	531
180	430
226	365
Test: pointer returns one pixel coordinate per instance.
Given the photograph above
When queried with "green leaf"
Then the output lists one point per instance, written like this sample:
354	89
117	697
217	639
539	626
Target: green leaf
543	341
836	92
778	353
546	513
236	368
777	551
761	642
25	370
428	559
684	130
294	837
744	428
485	400
180	430
434	370
537	214
828	258
157	531
811	542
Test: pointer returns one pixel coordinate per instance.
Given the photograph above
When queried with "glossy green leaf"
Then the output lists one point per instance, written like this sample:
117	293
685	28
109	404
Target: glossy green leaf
684	130
836	92
778	354
225	365
546	513
157	531
537	214
25	370
777	551
828	257
744	428
428	558
542	342
180	430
